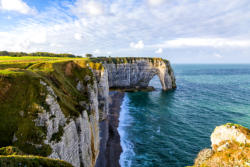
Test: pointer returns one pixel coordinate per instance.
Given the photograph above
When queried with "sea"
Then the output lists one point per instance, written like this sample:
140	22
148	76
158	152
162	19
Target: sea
168	129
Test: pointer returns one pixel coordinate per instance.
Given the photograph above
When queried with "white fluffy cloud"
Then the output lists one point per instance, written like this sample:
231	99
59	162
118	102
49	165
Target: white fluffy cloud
97	51
155	2
78	36
138	45
16	5
159	51
89	7
204	42
94	8
23	40
217	55
82	26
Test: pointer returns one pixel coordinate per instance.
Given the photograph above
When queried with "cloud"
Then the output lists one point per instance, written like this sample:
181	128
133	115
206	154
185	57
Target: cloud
16	5
55	45
97	51
138	45
81	26
217	55
24	39
89	7
155	2
204	42
38	36
94	8
159	51
78	36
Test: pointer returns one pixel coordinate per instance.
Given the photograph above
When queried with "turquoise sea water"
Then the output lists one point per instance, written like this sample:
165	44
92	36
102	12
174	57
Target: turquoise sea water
168	129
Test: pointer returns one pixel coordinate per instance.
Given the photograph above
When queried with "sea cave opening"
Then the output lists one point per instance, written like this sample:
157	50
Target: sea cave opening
155	82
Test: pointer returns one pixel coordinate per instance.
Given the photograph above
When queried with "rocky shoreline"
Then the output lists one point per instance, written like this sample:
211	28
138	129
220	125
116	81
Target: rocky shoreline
110	147
230	146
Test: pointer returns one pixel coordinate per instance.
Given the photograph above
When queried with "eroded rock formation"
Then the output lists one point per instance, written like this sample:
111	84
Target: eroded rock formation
230	147
139	72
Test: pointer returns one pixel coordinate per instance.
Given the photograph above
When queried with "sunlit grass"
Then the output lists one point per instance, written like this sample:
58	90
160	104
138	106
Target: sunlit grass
10	59
30	160
10	65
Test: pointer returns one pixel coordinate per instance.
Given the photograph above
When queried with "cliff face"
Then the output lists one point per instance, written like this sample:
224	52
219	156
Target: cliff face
79	140
126	73
55	109
230	147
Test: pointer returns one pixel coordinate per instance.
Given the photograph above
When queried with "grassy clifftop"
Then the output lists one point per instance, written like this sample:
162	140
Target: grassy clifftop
122	60
22	96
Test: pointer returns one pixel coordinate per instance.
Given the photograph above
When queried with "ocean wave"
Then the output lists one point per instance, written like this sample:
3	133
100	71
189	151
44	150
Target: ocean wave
125	121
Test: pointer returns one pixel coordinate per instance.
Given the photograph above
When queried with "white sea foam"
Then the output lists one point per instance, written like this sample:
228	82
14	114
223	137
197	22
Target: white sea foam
125	121
158	129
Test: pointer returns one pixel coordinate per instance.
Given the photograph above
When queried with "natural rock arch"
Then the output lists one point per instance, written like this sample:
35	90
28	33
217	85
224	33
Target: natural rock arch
138	73
155	82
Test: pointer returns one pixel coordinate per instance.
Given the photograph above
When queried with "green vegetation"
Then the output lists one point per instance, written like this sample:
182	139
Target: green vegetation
121	60
235	155
31	161
12	157
10	150
36	54
57	136
232	154
242	129
19	101
89	55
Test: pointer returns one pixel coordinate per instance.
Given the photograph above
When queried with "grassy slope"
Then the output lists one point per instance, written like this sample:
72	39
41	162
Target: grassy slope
12	157
22	96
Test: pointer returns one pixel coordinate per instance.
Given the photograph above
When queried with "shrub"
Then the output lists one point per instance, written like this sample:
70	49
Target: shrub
31	161
89	55
58	135
10	150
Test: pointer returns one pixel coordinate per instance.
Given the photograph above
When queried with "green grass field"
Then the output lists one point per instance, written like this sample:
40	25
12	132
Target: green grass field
15	65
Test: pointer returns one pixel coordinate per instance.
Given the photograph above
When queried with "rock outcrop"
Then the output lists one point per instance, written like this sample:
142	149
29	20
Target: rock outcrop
230	148
138	73
56	108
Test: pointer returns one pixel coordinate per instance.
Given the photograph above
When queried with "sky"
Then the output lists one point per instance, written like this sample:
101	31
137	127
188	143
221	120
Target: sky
183	31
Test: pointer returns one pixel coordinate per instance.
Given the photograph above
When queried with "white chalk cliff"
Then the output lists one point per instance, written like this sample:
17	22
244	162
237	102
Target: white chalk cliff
139	72
79	142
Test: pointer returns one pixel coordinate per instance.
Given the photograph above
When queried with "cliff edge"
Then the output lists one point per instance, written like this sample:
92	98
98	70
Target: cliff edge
53	107
230	148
